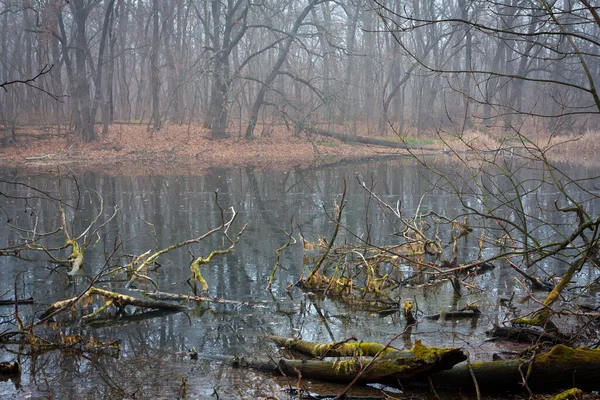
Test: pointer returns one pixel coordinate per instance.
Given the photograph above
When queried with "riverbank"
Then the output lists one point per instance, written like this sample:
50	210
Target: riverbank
131	149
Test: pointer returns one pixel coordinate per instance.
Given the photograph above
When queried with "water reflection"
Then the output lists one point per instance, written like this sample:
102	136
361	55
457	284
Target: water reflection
155	212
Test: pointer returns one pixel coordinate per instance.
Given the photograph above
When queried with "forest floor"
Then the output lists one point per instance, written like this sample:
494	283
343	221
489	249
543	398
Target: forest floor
131	149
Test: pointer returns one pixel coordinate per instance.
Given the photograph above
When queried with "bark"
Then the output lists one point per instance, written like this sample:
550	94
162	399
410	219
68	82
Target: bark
348	90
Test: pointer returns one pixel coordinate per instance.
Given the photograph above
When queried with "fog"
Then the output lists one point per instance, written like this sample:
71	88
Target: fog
357	66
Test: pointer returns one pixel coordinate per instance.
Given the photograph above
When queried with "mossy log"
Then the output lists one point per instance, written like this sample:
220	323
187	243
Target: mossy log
389	366
571	394
365	140
562	367
336	349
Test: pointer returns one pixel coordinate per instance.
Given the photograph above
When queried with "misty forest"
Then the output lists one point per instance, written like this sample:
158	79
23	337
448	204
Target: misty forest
315	199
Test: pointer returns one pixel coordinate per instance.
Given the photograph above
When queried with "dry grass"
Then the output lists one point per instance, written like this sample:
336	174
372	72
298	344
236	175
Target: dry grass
580	149
471	141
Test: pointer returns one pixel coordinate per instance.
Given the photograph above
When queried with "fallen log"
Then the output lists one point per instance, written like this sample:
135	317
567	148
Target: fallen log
112	298
560	368
199	299
366	140
389	367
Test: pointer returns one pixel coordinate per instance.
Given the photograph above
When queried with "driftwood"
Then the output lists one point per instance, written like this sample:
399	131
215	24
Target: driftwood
560	368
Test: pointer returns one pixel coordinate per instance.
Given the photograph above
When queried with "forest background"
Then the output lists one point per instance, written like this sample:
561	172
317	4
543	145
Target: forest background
116	79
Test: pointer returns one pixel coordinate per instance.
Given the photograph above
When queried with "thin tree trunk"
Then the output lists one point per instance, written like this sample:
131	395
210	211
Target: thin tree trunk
260	98
154	72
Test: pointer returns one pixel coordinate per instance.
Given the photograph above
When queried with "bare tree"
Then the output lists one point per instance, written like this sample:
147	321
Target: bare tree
545	47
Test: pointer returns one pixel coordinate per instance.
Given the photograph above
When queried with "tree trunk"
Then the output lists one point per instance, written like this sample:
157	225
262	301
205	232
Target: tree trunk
99	98
154	72
83	123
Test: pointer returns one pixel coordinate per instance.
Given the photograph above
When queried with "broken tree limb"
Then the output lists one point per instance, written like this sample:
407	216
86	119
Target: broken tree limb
224	226
12	302
535	282
59	305
562	367
198	262
309	279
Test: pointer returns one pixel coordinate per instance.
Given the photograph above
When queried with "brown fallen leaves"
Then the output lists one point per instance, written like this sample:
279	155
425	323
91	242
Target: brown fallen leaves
131	149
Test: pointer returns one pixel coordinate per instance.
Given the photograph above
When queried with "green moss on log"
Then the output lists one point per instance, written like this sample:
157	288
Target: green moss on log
571	394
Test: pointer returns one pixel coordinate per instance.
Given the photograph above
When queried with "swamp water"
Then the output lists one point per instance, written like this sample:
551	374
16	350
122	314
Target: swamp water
157	211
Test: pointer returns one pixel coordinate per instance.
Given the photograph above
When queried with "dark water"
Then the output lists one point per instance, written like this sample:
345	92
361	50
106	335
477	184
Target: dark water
156	211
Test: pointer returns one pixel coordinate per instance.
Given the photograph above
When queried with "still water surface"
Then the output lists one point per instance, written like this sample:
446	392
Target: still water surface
156	211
